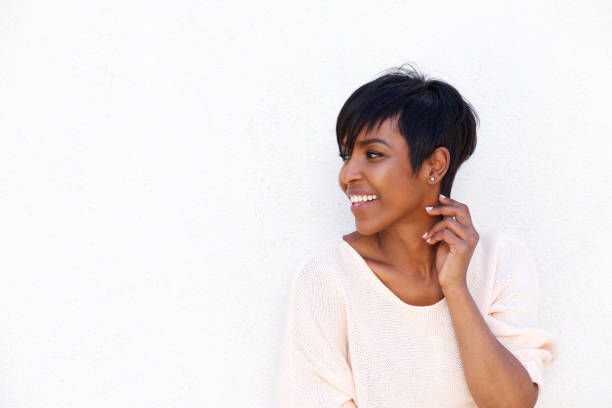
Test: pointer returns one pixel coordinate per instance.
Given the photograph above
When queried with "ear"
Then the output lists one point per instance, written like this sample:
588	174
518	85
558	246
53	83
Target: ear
439	162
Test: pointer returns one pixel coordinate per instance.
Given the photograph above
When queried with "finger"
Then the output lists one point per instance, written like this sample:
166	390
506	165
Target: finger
448	210
449	201
456	209
453	241
452	224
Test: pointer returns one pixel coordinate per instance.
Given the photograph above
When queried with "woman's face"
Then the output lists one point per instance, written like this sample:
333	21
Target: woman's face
382	168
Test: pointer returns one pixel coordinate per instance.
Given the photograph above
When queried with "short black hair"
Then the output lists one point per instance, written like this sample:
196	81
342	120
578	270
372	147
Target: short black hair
430	112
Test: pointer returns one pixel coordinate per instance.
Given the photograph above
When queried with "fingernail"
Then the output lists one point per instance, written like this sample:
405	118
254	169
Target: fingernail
442	196
429	208
428	239
425	234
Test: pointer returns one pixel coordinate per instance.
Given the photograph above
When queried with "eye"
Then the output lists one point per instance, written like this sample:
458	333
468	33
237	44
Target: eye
345	156
375	153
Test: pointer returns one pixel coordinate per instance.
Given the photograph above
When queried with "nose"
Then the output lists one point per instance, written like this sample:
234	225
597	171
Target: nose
349	173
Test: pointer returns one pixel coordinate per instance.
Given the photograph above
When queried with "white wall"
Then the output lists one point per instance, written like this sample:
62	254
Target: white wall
163	164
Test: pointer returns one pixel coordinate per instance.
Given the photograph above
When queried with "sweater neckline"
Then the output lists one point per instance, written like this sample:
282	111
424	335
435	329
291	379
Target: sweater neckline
384	290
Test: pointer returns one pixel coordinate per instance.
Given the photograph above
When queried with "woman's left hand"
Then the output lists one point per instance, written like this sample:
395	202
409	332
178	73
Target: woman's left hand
457	238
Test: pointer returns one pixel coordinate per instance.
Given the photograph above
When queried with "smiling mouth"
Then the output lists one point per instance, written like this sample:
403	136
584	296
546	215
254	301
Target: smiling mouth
358	204
355	199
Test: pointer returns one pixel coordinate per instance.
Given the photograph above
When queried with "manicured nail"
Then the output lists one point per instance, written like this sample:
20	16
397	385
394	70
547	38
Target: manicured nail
442	196
424	235
428	239
429	208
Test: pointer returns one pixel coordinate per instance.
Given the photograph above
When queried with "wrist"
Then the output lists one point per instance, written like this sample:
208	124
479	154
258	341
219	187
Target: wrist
454	288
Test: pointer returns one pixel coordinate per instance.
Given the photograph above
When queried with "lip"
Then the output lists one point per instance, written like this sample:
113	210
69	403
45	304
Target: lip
359	207
358	192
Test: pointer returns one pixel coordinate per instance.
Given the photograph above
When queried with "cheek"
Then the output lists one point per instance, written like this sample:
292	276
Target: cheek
402	194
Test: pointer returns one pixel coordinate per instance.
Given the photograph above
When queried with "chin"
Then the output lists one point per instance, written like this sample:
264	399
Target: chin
366	229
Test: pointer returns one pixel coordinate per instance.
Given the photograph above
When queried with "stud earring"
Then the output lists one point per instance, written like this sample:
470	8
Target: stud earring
432	178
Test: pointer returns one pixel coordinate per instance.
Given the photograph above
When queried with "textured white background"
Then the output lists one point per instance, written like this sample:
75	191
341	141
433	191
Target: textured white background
163	165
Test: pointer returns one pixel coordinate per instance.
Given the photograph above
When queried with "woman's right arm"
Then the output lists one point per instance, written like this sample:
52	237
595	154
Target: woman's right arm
314	370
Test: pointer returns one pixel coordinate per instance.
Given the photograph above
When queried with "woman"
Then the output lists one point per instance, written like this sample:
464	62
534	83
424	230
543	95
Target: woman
416	308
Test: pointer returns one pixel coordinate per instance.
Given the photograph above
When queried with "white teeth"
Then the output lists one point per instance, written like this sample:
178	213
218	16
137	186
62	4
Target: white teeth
357	199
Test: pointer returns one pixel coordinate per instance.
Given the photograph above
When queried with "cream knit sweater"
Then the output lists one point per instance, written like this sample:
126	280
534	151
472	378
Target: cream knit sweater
349	341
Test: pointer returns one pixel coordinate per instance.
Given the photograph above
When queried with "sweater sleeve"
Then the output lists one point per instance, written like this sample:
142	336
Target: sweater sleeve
513	309
314	370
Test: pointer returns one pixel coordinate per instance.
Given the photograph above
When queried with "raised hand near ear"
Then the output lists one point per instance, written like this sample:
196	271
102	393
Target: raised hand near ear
457	238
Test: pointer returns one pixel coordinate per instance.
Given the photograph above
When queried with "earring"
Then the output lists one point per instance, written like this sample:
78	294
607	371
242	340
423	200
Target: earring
432	178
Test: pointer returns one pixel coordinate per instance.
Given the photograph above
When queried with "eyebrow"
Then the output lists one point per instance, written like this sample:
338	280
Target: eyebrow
370	141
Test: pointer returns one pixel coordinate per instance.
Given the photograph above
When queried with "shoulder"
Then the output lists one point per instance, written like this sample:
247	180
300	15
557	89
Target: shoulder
322	255
315	288
496	243
509	260
318	267
503	254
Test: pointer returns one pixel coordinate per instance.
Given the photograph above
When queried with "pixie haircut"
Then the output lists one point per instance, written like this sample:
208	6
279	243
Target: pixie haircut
430	113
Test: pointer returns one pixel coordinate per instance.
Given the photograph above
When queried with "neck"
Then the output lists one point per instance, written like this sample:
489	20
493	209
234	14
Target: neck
403	247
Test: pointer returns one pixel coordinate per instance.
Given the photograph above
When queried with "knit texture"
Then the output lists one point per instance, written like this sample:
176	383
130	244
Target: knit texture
349	341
